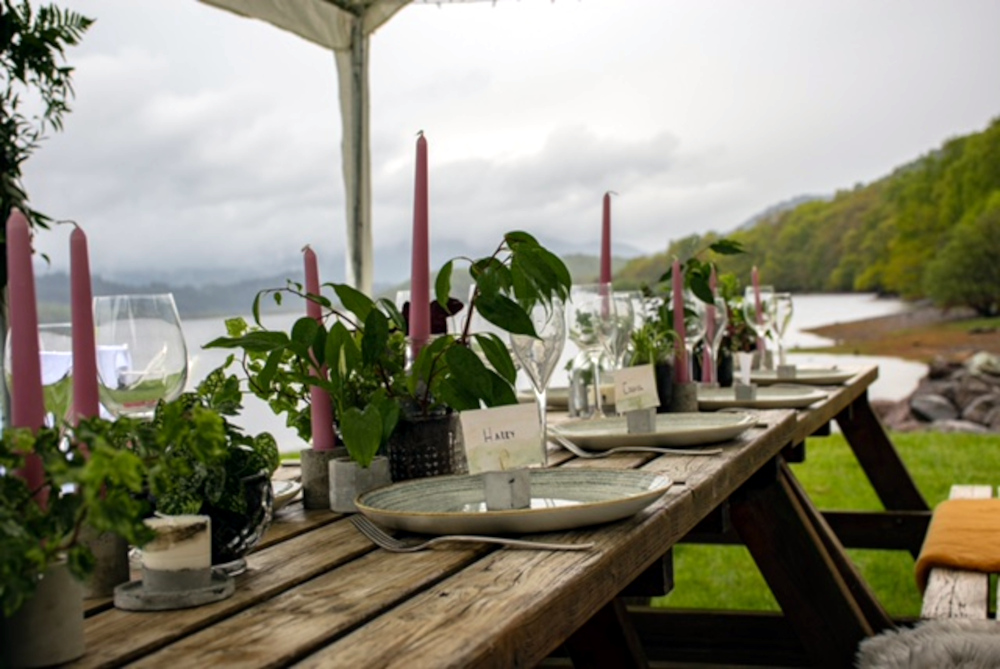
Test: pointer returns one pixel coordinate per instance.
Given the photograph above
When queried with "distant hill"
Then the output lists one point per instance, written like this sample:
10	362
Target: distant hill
883	237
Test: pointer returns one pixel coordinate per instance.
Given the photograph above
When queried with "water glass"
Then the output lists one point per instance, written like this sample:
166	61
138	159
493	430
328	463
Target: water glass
540	355
141	352
591	321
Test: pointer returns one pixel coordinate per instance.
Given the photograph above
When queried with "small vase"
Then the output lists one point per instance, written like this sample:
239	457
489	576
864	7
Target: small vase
664	373
425	446
48	629
111	566
316	476
235	534
685	398
348	480
725	369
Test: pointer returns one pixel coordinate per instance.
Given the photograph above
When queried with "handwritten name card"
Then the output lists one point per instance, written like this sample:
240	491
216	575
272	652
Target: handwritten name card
502	438
635	389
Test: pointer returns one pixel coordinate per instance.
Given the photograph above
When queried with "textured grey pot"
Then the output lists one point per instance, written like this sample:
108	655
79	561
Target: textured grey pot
316	477
348	480
111	566
48	629
684	398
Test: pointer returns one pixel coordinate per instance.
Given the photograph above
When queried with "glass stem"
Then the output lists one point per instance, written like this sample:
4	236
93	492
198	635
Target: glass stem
598	407
540	395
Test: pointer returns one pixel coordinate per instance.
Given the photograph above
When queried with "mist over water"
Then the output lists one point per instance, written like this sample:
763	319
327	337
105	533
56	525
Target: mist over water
897	377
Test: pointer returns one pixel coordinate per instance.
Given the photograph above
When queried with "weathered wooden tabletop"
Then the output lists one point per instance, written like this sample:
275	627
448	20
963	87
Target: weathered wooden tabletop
318	594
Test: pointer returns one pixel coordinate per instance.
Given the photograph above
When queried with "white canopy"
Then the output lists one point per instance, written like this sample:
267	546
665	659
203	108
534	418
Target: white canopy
344	27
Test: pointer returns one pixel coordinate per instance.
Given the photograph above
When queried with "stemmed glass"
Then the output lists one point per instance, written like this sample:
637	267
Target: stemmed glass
592	325
782	318
694	327
709	372
141	353
625	322
540	356
55	352
758	310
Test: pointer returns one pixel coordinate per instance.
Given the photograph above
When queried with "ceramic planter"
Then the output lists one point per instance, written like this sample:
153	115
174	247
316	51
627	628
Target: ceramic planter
348	480
48	629
316	476
425	446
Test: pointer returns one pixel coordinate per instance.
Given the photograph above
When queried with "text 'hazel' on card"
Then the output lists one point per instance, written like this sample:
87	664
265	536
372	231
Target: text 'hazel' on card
502	438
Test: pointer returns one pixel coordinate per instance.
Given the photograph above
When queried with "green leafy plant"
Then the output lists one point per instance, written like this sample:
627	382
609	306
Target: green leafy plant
357	354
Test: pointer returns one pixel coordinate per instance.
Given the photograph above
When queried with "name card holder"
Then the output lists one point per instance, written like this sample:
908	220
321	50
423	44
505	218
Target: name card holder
745	392
505	490
786	371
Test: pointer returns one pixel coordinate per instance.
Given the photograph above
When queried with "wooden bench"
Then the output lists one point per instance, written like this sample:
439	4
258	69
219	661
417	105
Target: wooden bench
953	593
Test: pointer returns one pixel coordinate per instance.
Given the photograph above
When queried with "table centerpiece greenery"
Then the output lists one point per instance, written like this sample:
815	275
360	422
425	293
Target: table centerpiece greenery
358	352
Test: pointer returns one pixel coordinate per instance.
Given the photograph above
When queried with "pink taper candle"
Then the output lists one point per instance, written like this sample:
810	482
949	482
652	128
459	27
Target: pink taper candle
755	279
420	291
707	361
85	399
321	409
680	358
606	240
27	401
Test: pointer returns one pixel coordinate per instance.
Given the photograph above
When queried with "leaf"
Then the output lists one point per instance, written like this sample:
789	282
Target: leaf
498	355
468	371
502	392
270	367
354	301
375	337
442	284
362	433
517	237
700	287
395	316
505	313
304	332
727	247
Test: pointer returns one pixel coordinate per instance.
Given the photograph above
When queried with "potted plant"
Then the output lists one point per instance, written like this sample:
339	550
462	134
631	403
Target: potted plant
42	553
358	355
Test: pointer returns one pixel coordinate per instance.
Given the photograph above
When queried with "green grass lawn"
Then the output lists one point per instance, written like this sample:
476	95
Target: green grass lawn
725	577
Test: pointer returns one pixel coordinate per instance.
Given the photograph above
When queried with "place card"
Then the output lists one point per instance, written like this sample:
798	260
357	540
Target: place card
502	438
635	389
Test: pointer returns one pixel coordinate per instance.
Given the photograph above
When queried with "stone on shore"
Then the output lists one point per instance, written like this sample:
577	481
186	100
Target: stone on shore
953	397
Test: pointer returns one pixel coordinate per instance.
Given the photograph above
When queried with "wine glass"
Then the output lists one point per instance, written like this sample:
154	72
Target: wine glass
782	318
694	327
625	322
540	356
592	324
713	339
141	353
55	352
759	313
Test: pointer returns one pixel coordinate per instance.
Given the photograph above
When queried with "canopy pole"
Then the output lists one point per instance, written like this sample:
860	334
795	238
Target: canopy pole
353	77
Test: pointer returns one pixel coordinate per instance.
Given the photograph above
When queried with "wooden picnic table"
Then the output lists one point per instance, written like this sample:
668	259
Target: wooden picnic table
318	594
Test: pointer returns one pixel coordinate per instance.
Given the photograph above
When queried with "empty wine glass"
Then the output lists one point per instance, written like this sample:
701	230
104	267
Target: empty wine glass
625	318
540	356
141	353
591	324
694	327
713	339
759	313
782	318
55	352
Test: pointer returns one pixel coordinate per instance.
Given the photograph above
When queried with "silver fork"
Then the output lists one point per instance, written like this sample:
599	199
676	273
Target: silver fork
390	543
592	455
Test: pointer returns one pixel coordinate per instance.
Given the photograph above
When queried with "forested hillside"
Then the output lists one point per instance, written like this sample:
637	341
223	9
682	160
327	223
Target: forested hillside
930	229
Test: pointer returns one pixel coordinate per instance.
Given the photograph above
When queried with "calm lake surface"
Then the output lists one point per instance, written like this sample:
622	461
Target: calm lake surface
897	378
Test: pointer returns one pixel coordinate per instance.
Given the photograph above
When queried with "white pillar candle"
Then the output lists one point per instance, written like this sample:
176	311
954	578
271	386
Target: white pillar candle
182	542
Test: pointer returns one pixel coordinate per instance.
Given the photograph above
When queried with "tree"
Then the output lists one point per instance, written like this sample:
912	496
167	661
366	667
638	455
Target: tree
966	271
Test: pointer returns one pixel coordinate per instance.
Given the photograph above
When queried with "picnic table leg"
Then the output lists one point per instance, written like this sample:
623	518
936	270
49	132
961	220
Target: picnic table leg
878	457
873	610
608	639
798	568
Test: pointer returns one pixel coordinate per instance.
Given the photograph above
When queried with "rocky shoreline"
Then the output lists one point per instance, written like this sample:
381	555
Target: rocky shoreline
955	396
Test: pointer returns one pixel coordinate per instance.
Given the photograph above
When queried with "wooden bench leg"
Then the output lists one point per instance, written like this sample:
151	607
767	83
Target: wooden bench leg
607	640
799	570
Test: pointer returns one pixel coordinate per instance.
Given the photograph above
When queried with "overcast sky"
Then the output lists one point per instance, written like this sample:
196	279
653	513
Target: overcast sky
206	144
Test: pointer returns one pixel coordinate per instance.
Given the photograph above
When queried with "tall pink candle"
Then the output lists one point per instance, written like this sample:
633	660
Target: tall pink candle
420	292
85	398
606	240
321	409
755	279
707	361
680	357
27	401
